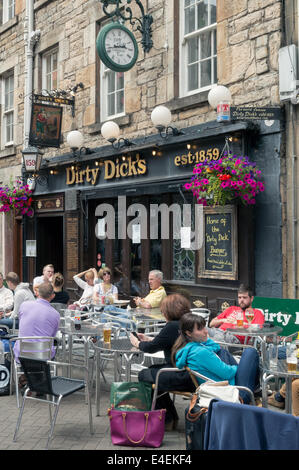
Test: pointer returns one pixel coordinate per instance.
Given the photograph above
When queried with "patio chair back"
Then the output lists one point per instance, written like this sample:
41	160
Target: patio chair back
38	375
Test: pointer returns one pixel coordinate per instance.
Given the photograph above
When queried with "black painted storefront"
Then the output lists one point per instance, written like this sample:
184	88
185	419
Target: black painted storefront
141	177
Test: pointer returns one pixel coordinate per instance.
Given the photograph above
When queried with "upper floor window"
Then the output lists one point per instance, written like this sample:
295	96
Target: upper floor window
8	109
50	70
8	10
198	45
112	93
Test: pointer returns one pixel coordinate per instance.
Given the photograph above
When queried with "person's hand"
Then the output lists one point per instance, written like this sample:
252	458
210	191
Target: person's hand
143	337
137	300
134	341
230	319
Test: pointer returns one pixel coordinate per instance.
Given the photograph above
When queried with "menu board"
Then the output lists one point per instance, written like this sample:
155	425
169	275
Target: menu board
218	255
72	248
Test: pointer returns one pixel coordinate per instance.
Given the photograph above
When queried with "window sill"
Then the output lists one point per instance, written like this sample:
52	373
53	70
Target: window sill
9	151
9	24
121	121
188	102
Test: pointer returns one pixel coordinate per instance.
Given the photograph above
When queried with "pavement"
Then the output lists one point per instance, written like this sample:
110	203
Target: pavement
71	431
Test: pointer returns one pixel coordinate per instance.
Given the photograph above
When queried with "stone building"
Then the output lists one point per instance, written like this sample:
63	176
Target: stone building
196	44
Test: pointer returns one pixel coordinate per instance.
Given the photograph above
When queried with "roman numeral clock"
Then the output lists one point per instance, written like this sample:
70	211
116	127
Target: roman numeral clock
116	44
117	47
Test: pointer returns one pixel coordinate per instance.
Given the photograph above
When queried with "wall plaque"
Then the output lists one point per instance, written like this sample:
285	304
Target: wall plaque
72	248
218	256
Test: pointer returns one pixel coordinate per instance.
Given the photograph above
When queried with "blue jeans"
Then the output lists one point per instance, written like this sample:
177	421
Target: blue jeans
9	322
118	313
248	372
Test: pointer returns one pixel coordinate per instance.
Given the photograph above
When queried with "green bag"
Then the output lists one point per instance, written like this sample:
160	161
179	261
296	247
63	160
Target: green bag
131	396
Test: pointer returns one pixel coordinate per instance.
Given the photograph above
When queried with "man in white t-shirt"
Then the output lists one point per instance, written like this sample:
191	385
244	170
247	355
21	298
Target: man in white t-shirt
47	275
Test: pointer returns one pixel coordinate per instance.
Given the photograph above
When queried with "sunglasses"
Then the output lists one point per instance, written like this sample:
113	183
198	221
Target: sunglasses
106	274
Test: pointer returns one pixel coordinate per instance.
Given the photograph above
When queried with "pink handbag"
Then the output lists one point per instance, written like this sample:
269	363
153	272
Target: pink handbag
137	428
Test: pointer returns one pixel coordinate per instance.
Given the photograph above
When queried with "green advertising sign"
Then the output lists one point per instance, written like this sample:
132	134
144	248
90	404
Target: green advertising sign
280	312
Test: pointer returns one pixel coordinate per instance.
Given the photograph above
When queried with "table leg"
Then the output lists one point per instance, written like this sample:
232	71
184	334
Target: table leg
288	402
98	384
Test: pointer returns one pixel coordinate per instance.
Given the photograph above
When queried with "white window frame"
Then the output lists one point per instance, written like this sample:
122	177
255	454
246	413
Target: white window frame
8	10
46	73
184	50
7	108
104	94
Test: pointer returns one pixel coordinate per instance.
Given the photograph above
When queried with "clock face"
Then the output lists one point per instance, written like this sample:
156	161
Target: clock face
117	47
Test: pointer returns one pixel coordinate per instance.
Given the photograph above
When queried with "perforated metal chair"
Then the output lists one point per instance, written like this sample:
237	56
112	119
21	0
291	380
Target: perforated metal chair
55	388
37	347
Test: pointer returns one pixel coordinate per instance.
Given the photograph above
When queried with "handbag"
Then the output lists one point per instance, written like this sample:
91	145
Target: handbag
220	390
195	424
137	428
131	396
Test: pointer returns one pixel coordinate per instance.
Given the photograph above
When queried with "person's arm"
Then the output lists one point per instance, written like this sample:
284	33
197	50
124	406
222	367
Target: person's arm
164	340
19	299
8	301
212	363
142	302
80	282
216	322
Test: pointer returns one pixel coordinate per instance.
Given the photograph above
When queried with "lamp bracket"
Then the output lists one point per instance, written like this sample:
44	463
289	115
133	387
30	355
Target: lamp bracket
143	24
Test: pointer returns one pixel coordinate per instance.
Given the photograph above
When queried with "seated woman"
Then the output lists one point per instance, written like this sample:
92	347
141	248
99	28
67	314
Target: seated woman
173	308
88	286
61	296
194	349
105	288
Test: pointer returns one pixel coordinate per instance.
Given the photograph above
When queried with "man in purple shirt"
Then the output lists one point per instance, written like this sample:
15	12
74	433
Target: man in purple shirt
38	317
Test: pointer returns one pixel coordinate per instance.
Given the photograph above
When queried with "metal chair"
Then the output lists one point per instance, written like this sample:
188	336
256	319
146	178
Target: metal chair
39	379
193	374
37	347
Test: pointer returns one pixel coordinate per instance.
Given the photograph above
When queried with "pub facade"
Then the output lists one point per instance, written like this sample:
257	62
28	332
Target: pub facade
197	44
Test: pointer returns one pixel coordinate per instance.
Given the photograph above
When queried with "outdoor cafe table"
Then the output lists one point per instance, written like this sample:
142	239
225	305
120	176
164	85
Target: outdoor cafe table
87	329
279	369
118	347
249	332
147	314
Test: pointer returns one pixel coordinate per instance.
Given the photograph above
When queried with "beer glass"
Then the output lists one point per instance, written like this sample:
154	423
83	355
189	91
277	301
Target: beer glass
291	357
107	333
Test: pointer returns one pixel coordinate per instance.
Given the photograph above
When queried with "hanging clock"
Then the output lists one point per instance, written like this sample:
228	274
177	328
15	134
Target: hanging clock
117	47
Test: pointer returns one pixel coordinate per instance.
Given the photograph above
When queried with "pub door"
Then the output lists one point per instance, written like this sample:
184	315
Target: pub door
49	243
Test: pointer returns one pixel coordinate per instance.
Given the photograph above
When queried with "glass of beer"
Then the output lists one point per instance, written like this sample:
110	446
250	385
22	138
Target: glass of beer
107	333
291	357
249	313
141	327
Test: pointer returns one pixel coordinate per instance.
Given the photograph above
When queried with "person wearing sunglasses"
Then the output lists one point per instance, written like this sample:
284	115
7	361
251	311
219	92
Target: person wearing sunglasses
105	288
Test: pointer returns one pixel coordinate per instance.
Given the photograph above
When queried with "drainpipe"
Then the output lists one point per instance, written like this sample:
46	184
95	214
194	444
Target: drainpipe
294	202
31	37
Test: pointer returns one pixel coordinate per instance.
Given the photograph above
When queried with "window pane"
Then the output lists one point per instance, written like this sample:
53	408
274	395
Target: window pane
111	105
9	127
111	82
213	11
215	70
189	19
203	14
192	77
205	73
119	102
205	45
192	50
119	80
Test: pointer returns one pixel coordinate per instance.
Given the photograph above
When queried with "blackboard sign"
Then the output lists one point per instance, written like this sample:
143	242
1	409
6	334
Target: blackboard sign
218	255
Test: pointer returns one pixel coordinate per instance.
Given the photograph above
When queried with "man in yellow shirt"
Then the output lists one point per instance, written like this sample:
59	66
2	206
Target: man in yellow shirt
157	292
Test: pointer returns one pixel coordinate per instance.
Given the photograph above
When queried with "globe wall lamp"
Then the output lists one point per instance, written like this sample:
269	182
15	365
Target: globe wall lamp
161	118
219	98
110	131
75	140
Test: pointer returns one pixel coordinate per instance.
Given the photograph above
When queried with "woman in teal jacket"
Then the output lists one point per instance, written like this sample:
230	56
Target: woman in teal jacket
194	349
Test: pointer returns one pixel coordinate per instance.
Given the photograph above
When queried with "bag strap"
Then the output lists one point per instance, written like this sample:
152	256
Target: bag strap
194	416
126	432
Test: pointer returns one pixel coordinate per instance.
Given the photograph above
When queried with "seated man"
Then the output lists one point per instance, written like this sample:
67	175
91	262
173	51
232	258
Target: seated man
156	294
227	319
38	317
47	275
21	294
6	299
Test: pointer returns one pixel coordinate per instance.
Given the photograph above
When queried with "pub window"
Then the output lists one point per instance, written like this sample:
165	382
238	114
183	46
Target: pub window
8	109
183	260
8	10
112	87
198	45
50	70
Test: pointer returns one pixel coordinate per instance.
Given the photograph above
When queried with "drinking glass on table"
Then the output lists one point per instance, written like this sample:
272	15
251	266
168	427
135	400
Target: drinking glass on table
291	357
107	333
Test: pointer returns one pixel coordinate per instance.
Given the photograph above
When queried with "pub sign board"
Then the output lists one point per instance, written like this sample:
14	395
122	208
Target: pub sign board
218	255
280	312
45	127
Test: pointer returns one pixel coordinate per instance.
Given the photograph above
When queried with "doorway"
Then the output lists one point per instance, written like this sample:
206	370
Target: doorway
49	238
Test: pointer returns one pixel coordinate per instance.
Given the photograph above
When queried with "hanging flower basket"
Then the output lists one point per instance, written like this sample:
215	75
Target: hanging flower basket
229	179
16	197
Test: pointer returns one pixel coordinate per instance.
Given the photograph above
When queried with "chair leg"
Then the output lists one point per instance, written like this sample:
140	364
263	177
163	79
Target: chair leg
53	421
17	386
20	415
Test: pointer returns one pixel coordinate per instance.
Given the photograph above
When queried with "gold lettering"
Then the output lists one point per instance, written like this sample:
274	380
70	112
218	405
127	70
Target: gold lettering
117	169
141	167
177	160
109	169
70	176
123	169
184	160
88	177
94	172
